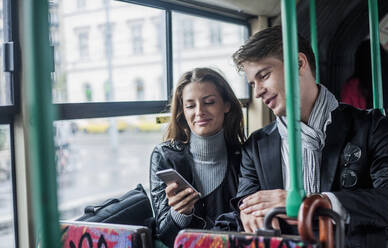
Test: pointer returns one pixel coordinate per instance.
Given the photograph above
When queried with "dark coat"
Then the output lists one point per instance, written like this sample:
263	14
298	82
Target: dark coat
364	194
176	155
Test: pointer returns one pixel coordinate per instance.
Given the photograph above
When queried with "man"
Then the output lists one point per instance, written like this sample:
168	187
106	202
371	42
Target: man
344	150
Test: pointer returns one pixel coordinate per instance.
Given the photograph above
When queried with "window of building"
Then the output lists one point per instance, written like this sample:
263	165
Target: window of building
139	89
107	37
83	44
88	92
137	38
215	33
81	4
108	90
187	34
158	34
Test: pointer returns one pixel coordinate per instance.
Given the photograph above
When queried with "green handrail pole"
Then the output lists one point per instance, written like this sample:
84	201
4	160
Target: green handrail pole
375	56
290	52
40	123
313	37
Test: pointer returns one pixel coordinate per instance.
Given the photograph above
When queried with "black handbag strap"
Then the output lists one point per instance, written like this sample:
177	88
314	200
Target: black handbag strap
95	208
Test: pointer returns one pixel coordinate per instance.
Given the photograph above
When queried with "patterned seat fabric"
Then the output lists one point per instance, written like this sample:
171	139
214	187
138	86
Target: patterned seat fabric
88	235
198	239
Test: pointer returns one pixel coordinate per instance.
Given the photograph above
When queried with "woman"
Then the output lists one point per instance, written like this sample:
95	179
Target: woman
203	145
357	90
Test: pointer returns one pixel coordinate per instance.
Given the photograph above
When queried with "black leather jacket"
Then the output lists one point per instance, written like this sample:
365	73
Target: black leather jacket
354	167
176	155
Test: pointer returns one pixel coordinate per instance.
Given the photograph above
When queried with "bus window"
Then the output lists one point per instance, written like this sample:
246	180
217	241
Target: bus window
203	42
102	158
112	46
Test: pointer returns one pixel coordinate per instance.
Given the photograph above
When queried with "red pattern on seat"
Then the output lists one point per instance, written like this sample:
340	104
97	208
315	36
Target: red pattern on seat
82	236
196	239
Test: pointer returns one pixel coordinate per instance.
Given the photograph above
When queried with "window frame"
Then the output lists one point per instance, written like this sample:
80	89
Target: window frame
68	111
11	53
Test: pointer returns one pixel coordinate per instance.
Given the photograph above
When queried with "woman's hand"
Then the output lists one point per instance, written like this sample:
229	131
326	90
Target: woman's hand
183	201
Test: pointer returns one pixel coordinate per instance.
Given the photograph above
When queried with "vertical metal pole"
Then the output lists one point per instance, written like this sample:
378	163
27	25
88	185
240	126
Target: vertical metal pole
40	123
313	35
290	52
375	56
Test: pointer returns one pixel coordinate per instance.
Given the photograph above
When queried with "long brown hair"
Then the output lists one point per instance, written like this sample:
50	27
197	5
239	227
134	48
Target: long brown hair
178	129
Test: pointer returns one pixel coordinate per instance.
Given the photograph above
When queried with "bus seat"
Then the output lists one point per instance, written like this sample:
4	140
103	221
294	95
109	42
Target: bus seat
90	234
217	239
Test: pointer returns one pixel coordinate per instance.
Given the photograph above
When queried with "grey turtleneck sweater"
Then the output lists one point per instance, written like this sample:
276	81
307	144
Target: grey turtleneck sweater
209	167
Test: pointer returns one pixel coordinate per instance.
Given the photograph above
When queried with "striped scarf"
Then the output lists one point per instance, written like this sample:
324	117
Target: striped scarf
313	137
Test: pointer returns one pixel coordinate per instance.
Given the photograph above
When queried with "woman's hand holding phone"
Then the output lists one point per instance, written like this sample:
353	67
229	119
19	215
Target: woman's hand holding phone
183	201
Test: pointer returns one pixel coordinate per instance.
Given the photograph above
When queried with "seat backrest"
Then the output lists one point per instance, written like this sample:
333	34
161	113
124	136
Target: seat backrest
216	239
77	234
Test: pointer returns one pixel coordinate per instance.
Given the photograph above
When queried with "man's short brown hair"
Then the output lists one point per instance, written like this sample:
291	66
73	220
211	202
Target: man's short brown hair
268	43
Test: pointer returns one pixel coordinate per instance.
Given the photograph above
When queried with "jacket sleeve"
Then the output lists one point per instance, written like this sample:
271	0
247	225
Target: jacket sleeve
248	180
167	229
367	207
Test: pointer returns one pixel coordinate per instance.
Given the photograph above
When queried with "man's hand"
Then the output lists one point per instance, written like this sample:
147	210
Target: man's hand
183	201
259	203
251	223
255	207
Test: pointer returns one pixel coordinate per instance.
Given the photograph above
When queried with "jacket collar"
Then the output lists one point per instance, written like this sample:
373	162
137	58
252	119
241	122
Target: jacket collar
336	134
269	150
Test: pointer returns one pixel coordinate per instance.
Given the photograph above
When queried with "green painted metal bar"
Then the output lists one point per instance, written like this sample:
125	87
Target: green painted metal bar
40	123
290	52
375	55
313	37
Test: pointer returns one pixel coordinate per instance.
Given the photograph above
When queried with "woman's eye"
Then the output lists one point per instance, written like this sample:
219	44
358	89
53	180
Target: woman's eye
189	106
210	102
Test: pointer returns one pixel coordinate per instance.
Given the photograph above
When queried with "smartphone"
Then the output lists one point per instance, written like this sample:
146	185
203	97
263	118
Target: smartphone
170	176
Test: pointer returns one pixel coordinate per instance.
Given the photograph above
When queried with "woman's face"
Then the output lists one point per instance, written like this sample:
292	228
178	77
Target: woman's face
203	108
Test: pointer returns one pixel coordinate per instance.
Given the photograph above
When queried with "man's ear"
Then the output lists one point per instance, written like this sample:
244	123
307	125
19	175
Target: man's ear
302	63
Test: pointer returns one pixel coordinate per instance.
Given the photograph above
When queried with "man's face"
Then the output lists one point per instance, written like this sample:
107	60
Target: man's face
266	77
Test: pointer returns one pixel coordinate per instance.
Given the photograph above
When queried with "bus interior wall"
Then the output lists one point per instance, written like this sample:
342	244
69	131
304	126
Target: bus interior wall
341	26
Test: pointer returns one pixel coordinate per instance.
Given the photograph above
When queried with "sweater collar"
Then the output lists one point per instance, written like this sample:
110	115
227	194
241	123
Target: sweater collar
208	148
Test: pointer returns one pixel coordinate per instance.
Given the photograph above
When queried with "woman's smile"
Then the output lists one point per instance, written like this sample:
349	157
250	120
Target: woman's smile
202	122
